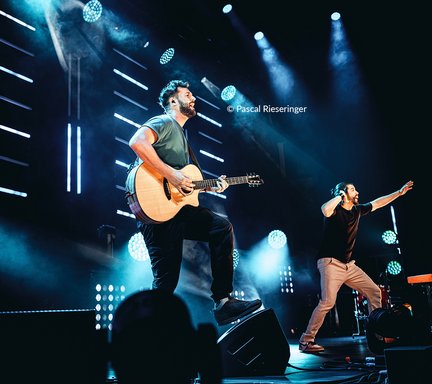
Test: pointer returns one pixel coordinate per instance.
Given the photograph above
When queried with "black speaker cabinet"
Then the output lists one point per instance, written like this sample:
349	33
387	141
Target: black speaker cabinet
51	347
256	346
408	364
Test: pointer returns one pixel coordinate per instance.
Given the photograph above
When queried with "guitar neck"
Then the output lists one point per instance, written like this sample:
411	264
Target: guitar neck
208	183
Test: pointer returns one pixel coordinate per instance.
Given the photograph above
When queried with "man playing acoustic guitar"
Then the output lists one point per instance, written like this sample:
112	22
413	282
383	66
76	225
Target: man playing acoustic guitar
161	144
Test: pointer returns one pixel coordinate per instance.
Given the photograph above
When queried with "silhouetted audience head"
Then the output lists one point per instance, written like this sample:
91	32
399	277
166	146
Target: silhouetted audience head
153	341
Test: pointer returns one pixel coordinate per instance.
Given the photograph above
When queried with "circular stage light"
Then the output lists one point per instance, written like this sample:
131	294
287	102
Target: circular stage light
394	267
137	247
228	93
167	56
389	237
92	11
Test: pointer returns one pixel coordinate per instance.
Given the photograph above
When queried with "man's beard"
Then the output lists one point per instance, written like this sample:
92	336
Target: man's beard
186	110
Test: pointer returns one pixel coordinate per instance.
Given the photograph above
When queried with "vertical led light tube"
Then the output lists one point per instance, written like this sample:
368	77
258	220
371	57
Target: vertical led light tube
78	160
68	158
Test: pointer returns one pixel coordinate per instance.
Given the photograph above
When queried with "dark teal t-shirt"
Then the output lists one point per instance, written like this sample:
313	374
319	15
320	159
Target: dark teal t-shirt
171	144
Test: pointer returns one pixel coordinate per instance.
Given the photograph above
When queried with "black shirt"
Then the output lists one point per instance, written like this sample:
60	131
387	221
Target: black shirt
340	232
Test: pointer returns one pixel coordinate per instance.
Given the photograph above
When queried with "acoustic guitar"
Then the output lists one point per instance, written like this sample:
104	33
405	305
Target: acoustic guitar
153	200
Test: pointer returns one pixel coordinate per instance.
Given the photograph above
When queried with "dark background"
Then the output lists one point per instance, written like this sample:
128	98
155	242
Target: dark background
366	125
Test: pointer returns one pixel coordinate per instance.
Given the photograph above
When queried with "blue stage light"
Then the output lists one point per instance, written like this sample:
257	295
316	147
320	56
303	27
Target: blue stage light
236	258
277	239
258	36
227	8
92	11
394	268
335	16
167	56
137	247
389	237
228	93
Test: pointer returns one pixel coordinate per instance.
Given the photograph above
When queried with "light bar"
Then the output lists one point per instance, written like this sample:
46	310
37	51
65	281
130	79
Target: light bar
15	131
122	164
16	47
208	154
220	195
16	74
9	160
137	83
10	17
127	120
121	140
13	192
78	160
129	58
207	102
130	100
18	104
209	119
209	137
127	214
68	158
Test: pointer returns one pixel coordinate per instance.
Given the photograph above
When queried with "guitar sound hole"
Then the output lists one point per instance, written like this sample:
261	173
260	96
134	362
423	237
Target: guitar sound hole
186	192
166	189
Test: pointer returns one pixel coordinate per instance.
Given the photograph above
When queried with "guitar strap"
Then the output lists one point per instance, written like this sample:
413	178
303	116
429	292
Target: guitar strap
193	157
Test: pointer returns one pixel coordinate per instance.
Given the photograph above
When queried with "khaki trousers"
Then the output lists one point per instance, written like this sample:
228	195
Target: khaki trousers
333	274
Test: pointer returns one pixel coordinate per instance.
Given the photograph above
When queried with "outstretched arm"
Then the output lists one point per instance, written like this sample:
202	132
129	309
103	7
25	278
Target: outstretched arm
384	200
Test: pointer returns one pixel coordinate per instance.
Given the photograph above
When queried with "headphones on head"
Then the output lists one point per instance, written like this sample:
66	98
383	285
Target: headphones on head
336	191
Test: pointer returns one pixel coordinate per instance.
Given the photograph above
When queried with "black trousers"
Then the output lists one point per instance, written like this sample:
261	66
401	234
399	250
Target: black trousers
165	246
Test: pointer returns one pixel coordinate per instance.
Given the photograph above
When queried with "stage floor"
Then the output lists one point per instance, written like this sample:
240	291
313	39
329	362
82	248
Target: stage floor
329	366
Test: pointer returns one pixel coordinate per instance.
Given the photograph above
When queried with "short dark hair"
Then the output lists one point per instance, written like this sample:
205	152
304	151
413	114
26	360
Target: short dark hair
170	90
342	186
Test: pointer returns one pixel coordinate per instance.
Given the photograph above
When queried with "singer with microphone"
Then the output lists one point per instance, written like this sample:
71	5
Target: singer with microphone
342	215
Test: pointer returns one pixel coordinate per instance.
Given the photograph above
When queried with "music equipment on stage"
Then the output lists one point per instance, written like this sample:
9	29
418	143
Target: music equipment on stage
256	346
153	200
420	279
402	325
361	311
408	364
423	303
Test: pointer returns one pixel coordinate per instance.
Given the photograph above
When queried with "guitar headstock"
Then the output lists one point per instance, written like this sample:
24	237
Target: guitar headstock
254	180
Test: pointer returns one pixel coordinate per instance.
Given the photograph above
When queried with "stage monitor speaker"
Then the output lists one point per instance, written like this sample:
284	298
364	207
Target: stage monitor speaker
408	364
256	346
51	347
